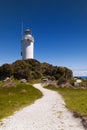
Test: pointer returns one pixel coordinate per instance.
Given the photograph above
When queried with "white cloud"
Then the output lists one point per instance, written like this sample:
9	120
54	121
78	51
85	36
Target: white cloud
80	73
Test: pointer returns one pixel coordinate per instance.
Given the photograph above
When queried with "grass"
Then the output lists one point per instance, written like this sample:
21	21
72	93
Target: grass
35	81
75	99
14	98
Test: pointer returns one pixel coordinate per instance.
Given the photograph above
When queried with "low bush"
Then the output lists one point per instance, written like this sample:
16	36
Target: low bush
33	69
61	80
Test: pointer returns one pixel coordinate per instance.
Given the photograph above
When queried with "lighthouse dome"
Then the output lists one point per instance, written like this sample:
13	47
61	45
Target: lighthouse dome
27	31
28	36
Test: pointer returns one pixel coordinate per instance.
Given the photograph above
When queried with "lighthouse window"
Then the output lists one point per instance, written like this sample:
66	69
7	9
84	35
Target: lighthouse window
28	40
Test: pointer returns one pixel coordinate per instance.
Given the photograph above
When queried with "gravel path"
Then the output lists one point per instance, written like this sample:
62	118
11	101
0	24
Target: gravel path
47	113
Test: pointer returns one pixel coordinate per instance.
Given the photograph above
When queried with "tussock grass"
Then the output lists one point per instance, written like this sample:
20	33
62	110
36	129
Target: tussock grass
35	81
14	98
75	99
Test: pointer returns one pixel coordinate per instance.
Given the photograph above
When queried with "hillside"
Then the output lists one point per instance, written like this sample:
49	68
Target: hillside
32	69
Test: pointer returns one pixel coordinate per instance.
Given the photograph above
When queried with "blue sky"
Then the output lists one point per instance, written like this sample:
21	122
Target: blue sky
58	26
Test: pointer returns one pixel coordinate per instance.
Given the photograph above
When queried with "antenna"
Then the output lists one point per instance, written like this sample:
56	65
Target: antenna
21	35
22	29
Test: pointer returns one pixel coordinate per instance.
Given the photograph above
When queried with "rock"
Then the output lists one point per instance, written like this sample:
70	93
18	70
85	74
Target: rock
23	80
44	80
6	79
84	122
83	119
78	80
66	85
76	115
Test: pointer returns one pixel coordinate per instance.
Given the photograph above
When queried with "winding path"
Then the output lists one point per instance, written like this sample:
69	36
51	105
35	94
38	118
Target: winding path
47	113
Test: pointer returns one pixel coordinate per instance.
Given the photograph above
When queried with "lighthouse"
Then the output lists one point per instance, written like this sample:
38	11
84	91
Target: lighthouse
27	45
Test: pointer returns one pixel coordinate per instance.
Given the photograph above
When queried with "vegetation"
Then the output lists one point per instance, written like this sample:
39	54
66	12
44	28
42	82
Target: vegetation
32	69
61	80
76	99
17	97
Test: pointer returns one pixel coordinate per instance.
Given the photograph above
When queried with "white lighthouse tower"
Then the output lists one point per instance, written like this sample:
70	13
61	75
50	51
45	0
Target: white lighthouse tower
27	45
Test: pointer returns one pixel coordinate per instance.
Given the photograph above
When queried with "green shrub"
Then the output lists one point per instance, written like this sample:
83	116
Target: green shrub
62	80
33	69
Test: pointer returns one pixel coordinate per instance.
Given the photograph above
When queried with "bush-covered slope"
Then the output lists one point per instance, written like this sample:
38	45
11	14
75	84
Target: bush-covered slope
33	69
